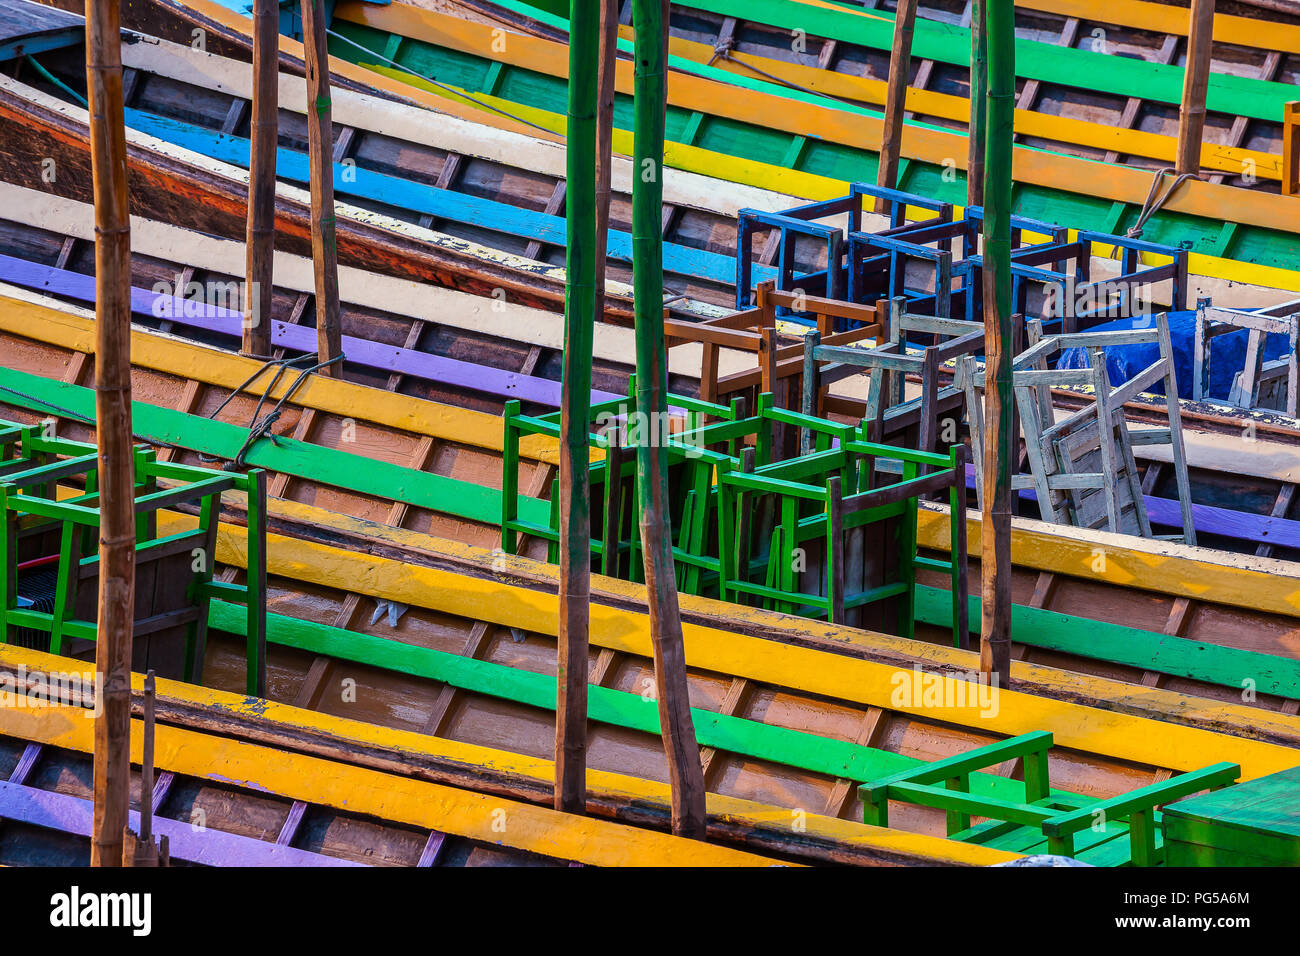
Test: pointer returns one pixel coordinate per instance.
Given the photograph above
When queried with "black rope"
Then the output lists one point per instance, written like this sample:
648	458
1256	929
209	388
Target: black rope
260	425
1155	201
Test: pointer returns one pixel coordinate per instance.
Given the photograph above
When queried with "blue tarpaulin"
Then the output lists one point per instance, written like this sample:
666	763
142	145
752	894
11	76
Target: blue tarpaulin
1227	354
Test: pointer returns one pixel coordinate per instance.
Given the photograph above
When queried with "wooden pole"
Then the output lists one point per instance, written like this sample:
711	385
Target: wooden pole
999	440
979	84
1291	149
1196	80
141	850
609	12
900	67
116	614
581	257
320	143
260	250
650	87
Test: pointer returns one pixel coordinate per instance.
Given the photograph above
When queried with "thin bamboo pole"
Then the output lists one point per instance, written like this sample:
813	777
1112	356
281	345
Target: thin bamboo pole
900	67
1291	149
979	84
320	141
609	11
1196	80
999	439
260	249
650	87
116	614
581	257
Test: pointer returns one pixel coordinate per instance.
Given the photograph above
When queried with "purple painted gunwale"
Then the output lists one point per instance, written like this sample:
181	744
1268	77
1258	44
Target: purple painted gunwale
1209	519
376	355
69	814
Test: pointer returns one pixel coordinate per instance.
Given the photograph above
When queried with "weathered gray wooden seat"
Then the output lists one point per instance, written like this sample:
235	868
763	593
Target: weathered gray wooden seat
1271	384
972	379
915	422
1082	467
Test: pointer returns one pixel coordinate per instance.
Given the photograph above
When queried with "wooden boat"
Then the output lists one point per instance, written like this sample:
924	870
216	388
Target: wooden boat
827	141
765	676
228	32
318	558
1058	111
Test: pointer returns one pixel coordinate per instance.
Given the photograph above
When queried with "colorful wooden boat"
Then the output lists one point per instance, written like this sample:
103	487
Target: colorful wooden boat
785	695
164	88
228	32
317	558
1212	220
786	43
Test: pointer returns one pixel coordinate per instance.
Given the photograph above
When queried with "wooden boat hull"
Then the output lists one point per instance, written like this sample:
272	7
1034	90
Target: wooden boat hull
743	123
166	188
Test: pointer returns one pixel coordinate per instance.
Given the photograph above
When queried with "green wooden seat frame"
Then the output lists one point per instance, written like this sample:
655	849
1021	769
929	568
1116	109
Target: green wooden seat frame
1058	818
34	467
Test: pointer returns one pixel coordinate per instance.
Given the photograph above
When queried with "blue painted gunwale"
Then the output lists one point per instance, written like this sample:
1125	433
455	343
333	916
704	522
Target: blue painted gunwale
351	179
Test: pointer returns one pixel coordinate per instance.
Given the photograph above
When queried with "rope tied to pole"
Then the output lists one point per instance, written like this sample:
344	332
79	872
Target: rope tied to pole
260	427
1154	202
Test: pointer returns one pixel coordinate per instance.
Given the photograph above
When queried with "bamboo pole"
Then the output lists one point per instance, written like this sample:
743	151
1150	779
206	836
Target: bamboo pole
900	67
141	850
320	141
650	87
260	246
116	613
1291	149
999	439
979	81
581	257
609	11
1196	80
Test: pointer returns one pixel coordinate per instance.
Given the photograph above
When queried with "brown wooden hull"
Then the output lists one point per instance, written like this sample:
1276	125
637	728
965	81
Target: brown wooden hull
169	190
